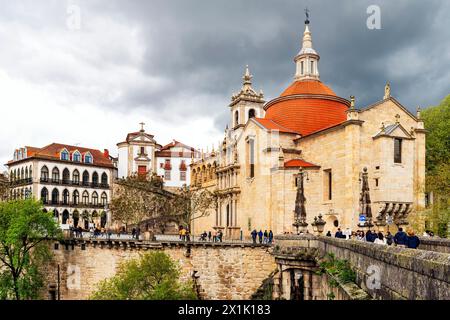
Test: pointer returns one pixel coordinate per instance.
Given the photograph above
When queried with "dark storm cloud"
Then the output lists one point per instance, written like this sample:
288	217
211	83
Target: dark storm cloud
196	50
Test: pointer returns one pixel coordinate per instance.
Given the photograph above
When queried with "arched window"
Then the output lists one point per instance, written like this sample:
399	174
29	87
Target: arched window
76	157
88	157
65	216
236	118
66	176
55	196
44	195
64	155
76	177
85	197
44	174
22	174
66	196
26	173
30	172
104	179
76	197
95	198
104	199
95	179
56	214
85	178
251	113
55	175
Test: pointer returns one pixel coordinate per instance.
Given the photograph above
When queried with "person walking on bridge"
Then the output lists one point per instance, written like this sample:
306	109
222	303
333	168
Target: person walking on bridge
260	236
400	238
413	240
254	234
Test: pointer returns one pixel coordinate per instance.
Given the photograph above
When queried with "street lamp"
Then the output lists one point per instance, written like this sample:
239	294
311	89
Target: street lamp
318	224
300	211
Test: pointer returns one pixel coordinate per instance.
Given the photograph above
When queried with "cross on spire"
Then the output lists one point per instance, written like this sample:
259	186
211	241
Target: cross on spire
307	15
142	126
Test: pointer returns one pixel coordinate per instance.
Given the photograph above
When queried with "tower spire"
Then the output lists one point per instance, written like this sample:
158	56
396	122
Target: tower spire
247	83
307	59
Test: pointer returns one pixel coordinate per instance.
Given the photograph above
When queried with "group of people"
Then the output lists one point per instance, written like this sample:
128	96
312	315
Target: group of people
263	237
216	236
401	238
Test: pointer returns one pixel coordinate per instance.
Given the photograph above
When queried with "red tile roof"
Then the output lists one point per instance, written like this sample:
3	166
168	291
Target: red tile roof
272	125
52	152
307	106
308	87
297	163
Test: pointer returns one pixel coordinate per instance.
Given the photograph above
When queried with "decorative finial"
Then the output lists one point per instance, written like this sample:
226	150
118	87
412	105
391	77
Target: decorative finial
397	118
352	102
247	78
142	126
382	127
418	112
307	16
387	90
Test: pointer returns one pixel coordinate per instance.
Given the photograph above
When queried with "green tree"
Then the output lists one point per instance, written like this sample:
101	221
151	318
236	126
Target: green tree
23	228
152	277
437	122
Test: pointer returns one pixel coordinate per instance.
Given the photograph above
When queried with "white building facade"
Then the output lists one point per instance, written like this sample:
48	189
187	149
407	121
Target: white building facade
140	155
74	183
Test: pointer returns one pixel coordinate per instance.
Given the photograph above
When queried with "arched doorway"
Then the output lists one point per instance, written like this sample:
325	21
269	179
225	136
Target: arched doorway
76	218
65	216
56	215
332	223
85	217
103	219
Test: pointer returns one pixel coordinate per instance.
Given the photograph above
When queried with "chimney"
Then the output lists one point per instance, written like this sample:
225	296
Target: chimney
106	153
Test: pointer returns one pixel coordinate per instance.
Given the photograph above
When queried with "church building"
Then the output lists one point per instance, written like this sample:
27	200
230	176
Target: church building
310	142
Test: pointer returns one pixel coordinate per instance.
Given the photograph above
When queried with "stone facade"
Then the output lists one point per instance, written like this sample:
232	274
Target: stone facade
222	271
256	168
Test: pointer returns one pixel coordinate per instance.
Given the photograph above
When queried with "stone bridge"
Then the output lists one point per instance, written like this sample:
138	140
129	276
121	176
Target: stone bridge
286	270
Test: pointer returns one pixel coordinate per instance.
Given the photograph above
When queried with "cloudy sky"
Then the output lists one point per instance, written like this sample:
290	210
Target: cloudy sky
87	72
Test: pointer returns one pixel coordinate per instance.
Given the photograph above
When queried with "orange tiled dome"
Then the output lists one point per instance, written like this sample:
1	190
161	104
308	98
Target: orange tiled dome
307	106
307	87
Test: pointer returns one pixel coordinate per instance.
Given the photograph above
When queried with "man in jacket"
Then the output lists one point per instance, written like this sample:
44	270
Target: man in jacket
254	234
413	240
400	238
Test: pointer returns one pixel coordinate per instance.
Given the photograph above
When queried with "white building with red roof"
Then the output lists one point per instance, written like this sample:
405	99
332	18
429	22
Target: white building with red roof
141	155
74	182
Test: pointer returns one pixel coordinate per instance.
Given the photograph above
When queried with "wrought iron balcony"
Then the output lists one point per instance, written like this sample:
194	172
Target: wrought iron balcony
66	182
21	182
71	204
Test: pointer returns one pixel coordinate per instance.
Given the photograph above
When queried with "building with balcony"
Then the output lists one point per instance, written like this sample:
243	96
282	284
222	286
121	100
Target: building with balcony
75	183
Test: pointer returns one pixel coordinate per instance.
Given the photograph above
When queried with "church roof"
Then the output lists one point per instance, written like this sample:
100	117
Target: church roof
52	152
307	105
297	163
308	87
272	125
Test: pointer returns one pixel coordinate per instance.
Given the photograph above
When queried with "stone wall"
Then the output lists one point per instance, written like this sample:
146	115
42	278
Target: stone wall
435	244
401	273
224	271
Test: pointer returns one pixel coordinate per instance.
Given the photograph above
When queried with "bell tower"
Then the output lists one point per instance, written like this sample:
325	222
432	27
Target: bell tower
246	104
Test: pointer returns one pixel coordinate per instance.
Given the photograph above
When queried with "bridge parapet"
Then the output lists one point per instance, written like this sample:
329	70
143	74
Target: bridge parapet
435	244
385	272
391	273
